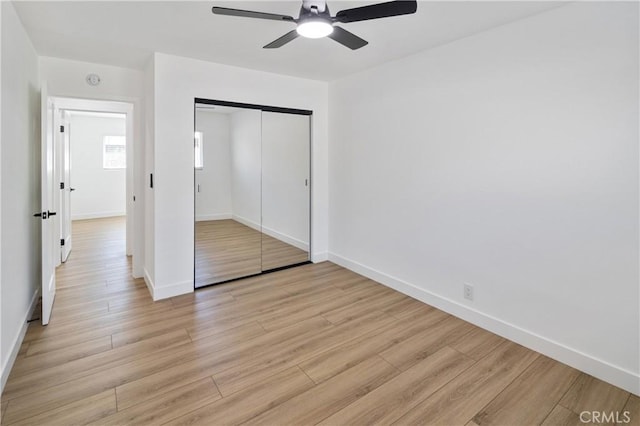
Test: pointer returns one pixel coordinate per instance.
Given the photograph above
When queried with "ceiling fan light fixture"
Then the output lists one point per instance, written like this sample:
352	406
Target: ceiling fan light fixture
314	28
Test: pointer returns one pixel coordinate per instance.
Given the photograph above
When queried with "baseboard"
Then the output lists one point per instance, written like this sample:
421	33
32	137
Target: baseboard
603	370
286	238
172	290
251	224
17	342
320	257
217	216
164	292
138	272
97	215
149	282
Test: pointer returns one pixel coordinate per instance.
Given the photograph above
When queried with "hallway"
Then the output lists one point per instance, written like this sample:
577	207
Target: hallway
98	254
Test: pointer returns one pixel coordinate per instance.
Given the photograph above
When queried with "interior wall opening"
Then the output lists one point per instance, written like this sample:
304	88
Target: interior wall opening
93	191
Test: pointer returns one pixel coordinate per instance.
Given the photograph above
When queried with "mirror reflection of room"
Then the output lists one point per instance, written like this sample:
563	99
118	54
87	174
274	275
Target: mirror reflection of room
285	189
251	192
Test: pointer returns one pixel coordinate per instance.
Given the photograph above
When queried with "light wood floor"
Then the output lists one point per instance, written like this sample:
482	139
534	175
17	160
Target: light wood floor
310	345
227	249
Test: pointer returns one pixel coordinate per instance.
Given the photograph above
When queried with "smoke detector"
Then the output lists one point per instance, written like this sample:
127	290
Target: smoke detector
93	79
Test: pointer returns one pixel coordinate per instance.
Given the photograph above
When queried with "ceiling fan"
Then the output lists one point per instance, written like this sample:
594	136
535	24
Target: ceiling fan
315	21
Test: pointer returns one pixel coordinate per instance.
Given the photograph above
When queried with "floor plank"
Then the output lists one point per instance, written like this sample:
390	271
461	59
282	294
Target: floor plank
591	394
167	406
341	358
218	350
83	411
64	355
406	354
633	408
41	401
460	399
541	385
267	363
23	384
326	398
391	400
265	395
561	416
3	408
477	343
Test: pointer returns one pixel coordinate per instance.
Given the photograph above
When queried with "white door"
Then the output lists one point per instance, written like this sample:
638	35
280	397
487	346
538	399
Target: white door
65	186
47	202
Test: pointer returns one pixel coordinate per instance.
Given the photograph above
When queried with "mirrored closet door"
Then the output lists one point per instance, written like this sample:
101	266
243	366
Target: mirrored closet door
252	190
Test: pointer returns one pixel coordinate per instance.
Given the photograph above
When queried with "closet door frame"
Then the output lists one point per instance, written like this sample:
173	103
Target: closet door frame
263	108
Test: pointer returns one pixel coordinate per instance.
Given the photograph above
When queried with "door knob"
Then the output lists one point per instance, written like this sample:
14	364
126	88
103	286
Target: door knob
43	215
72	189
51	213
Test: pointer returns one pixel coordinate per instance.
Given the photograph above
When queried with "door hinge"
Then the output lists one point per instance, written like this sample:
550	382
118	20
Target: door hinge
61	241
61	129
61	185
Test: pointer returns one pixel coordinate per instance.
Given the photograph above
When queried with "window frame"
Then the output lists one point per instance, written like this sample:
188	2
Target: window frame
198	150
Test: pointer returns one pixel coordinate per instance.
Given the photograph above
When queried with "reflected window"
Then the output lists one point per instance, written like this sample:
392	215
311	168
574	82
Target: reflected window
197	144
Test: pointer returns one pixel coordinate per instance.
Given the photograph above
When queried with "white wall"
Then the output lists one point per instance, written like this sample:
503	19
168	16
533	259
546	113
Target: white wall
20	181
66	78
213	202
508	160
99	192
246	167
285	166
178	81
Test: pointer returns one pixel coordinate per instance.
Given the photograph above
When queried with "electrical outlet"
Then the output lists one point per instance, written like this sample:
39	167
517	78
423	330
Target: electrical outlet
468	291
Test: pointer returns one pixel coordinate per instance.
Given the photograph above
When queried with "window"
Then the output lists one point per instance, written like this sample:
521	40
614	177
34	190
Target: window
114	155
198	156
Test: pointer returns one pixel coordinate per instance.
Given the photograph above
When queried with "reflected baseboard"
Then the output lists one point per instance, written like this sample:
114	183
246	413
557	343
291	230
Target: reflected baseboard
286	238
216	216
273	233
247	222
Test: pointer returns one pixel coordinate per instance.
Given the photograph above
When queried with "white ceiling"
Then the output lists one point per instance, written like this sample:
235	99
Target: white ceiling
125	33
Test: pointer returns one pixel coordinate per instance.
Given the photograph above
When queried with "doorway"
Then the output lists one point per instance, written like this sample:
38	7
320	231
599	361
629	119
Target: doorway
92	176
92	167
100	159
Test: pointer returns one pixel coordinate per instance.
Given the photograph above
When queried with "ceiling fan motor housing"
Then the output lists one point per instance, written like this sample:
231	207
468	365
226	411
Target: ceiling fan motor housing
319	5
314	13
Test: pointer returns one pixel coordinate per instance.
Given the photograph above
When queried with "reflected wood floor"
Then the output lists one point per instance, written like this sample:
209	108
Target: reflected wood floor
227	249
311	345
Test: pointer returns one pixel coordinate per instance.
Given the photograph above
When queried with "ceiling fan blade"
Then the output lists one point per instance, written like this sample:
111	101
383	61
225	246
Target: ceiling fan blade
291	35
347	38
375	11
250	14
